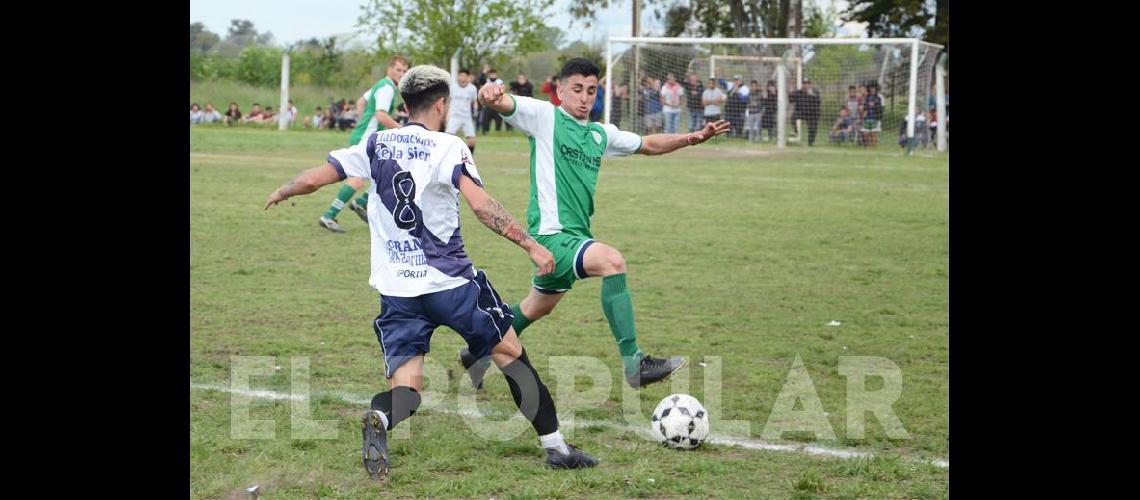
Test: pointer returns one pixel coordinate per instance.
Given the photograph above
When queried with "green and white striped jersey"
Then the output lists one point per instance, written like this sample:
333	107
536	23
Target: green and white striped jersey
565	157
381	96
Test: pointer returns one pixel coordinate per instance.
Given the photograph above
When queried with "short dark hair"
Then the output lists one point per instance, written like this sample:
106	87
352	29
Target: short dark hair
850	87
580	66
424	99
464	71
256	104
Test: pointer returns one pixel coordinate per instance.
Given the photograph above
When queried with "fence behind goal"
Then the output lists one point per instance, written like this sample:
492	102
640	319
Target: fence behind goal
781	91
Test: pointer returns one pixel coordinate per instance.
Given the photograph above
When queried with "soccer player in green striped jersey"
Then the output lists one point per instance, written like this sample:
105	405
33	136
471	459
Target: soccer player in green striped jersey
378	111
566	151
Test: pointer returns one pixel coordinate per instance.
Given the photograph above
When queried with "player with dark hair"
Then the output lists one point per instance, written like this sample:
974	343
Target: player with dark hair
566	155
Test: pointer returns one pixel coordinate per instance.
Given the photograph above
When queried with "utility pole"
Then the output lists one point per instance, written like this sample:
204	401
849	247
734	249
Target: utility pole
636	18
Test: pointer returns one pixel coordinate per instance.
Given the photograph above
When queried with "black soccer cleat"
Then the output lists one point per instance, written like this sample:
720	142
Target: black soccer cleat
360	211
375	449
653	370
576	459
476	368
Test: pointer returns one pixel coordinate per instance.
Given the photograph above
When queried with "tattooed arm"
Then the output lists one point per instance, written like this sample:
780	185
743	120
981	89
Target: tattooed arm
306	182
492	214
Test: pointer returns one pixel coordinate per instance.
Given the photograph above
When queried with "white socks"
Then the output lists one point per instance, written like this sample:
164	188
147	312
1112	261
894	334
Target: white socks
554	440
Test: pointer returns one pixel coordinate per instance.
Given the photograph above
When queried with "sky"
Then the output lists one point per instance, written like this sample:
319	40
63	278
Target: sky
294	20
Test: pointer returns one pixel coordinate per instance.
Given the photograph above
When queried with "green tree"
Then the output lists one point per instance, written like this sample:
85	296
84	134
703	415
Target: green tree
242	33
903	18
551	37
677	19
713	18
940	34
315	61
259	65
239	35
582	49
820	22
429	31
202	39
734	18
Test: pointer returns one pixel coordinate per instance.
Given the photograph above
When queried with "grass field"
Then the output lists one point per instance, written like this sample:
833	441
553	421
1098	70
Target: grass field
744	253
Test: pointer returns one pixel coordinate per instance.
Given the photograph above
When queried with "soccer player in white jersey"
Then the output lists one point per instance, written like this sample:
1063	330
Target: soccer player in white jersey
461	118
421	269
566	155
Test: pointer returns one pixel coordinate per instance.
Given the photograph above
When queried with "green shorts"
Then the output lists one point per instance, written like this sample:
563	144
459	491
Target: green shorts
569	262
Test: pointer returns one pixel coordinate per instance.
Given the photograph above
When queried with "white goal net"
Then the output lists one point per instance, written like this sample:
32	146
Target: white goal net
784	92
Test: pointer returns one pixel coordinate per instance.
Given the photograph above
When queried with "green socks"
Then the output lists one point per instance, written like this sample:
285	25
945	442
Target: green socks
342	197
618	306
363	199
521	321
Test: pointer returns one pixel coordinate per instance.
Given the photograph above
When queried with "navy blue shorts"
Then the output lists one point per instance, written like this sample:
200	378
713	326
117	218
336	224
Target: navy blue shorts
475	310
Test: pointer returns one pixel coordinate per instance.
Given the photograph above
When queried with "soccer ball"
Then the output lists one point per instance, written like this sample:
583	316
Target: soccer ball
680	422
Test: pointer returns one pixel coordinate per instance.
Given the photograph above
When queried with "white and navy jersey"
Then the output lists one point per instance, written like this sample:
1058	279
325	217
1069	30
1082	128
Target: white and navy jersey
461	99
413	211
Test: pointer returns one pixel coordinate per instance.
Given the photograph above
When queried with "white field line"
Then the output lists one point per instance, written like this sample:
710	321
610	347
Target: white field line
752	444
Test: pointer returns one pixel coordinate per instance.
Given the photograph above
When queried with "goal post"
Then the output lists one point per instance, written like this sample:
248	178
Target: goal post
789	91
283	108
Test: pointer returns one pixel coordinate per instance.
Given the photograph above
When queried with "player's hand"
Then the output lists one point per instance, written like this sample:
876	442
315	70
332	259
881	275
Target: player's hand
275	198
541	258
712	129
491	93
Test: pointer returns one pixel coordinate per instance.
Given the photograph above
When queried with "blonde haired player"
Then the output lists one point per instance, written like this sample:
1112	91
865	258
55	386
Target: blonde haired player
421	269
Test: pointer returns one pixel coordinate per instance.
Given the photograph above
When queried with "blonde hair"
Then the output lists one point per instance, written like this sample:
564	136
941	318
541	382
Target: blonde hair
423	85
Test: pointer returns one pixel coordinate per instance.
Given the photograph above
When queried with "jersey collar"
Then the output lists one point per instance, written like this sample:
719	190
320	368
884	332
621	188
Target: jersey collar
570	116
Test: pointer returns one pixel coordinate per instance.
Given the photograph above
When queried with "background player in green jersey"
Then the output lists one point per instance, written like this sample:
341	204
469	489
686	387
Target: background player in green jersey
566	153
378	108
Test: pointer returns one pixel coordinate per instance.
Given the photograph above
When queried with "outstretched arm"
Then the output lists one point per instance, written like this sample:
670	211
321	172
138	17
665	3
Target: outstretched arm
659	144
306	182
494	98
492	214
